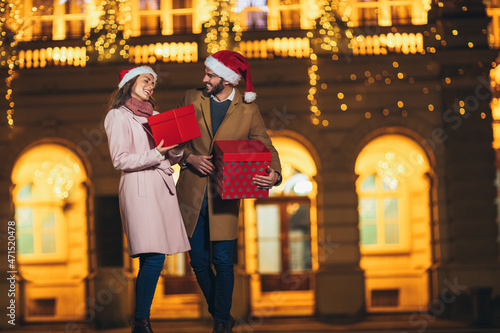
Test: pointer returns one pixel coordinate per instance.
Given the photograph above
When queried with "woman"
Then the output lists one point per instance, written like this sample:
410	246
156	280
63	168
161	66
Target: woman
148	201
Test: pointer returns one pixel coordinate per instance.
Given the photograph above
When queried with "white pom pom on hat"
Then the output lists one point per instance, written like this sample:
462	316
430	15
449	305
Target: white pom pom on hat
128	74
232	66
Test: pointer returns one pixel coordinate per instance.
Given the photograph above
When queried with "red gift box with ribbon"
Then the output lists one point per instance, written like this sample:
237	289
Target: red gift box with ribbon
174	126
237	162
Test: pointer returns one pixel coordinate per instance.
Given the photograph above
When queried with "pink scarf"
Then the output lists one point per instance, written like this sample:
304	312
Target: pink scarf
139	108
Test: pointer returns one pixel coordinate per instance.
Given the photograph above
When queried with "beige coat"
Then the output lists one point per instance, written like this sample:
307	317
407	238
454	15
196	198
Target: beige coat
148	203
242	122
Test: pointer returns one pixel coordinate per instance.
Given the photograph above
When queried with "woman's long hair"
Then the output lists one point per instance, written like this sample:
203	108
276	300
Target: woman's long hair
121	95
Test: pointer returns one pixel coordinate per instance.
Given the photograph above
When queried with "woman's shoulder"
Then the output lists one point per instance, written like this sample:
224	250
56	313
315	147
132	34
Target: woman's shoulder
119	113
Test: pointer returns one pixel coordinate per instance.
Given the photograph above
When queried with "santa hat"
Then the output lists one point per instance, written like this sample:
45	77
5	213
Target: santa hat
232	66
128	74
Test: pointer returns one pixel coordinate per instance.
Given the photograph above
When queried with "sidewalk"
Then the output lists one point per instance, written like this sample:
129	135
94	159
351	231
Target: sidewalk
382	324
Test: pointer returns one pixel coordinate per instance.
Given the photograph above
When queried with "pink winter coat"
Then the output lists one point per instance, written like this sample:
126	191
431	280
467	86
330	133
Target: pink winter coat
148	200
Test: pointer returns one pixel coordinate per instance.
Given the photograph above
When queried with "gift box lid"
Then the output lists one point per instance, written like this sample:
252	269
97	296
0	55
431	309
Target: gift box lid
169	115
242	150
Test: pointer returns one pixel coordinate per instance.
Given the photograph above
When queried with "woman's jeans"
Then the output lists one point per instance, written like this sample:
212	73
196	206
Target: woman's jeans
151	265
217	288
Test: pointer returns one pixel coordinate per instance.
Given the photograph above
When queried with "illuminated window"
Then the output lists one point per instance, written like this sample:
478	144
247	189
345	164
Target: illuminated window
42	25
154	17
150	17
379	212
280	235
50	193
387	13
284	235
367	12
57	19
253	14
75	12
290	14
394	208
47	182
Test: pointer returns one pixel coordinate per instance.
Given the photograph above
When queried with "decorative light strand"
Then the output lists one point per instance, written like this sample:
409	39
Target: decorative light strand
219	25
12	25
327	33
110	29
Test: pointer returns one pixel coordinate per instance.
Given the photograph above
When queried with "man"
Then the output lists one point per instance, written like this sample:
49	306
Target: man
212	223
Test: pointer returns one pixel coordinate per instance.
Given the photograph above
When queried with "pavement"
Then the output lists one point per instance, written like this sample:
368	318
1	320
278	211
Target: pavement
371	324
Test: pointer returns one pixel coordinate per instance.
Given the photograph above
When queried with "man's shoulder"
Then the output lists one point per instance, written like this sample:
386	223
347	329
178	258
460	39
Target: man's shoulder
195	93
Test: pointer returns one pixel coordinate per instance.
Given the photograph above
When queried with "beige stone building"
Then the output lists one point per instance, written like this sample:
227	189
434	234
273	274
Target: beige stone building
384	117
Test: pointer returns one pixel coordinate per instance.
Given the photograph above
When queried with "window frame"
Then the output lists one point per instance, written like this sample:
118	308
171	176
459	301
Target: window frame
402	194
57	206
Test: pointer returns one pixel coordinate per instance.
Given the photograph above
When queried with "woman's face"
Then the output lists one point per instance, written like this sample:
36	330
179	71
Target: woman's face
143	87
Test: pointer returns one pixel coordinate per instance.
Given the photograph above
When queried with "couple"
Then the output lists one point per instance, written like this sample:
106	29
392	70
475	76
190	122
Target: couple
156	220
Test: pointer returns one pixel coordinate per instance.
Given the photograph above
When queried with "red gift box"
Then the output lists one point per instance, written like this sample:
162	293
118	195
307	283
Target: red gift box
237	162
174	126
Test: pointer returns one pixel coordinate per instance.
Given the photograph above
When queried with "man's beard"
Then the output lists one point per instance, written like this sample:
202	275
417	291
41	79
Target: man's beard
217	88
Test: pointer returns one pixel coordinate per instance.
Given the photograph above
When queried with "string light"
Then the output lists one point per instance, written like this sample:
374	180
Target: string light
330	37
110	30
12	25
219	26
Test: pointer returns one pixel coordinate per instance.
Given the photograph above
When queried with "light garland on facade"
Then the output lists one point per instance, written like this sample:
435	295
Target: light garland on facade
12	22
219	26
330	37
111	28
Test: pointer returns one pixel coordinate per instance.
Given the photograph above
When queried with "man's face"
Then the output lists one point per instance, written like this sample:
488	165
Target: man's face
215	84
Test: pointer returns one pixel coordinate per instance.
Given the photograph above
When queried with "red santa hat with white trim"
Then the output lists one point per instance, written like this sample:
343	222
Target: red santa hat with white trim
128	74
232	66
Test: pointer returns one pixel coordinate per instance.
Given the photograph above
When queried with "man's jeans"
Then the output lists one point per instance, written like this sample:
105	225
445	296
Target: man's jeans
217	288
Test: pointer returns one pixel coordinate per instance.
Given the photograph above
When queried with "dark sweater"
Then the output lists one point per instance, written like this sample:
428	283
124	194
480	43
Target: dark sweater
218	112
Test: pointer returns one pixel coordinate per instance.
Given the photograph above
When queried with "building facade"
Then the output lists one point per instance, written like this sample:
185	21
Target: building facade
384	116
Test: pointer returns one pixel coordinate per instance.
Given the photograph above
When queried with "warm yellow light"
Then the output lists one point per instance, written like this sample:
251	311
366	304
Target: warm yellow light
340	95
447	80
431	107
343	107
400	104
455	32
395	64
470	44
483	115
368	115
462	111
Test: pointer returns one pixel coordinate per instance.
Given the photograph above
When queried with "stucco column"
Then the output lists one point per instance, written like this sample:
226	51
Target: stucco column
340	291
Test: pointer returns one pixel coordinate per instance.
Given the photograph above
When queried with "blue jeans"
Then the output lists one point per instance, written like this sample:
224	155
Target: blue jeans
217	288
150	266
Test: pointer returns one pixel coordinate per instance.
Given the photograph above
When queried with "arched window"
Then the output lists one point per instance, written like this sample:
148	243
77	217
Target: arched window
50	195
393	190
281	235
382	206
